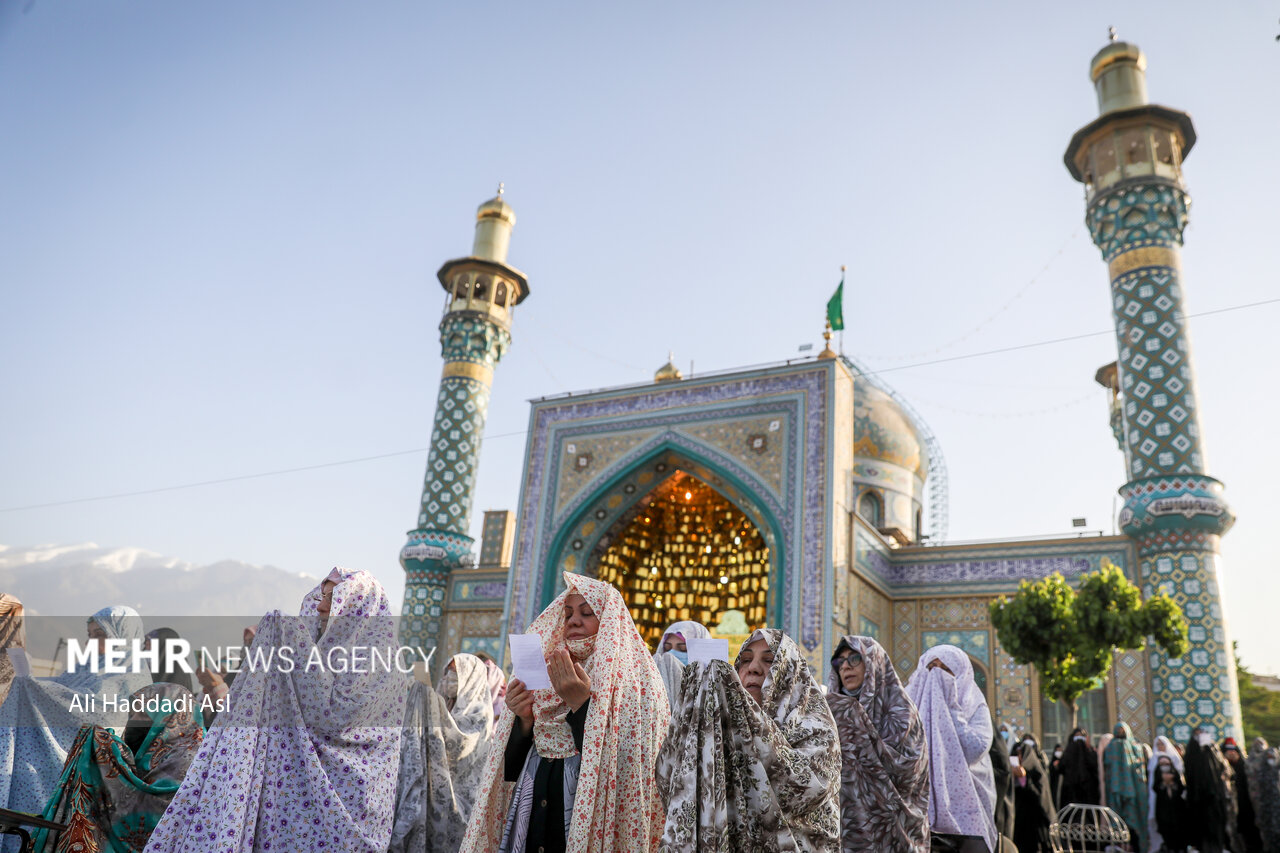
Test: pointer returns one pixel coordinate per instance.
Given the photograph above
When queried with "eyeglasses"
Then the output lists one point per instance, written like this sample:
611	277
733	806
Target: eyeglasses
841	661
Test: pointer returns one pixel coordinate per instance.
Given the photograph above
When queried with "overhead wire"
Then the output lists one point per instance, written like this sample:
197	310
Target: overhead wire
357	460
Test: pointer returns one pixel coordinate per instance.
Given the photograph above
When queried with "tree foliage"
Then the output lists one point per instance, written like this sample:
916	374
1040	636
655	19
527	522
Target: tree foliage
1259	706
1069	636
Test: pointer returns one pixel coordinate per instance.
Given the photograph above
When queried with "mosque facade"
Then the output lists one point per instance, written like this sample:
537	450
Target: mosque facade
795	495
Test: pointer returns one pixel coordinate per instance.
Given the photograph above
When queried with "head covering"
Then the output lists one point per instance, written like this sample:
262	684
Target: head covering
1211	802
1126	773
1033	799
110	795
669	666
443	752
41	717
1080	769
1163	748
497	687
168	670
13	635
884	775
957	726
617	807
296	737
736	775
1264	784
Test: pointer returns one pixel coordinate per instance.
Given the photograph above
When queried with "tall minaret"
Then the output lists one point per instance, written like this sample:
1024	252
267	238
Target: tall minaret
474	335
1130	161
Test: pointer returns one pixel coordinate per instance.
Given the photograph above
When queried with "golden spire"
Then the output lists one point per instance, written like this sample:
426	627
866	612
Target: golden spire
668	372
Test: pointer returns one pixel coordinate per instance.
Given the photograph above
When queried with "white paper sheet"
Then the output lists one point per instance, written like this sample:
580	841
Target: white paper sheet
21	663
527	662
706	650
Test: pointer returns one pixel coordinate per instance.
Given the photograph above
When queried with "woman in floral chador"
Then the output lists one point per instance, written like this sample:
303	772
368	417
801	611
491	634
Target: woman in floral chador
305	757
113	790
572	766
752	760
41	717
884	781
444	748
957	726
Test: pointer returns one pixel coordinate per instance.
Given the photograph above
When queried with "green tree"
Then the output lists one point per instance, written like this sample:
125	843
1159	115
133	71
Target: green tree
1069	636
1259	706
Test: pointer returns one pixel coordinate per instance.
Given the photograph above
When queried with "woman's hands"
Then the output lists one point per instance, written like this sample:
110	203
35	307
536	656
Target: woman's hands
520	701
569	679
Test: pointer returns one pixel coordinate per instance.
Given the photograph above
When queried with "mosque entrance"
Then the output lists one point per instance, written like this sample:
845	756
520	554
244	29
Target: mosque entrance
686	552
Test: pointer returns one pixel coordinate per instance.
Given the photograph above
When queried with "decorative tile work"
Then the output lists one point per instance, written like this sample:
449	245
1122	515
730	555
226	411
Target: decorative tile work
1173	512
906	648
799	392
449	485
1134	215
954	613
1011	695
602	452
867	628
492	646
1133	704
998	568
756	443
1162	429
975	643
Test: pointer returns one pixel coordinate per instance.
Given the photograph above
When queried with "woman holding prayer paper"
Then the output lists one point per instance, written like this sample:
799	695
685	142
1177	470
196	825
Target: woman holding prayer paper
752	758
576	773
41	717
672	655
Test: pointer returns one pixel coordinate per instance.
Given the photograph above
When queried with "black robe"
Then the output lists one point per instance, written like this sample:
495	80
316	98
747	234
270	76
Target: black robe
1171	814
546	820
1033	803
1004	787
1245	820
1210	798
1080	782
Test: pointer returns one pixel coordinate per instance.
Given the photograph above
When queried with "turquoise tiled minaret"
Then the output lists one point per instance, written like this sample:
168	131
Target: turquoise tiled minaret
481	290
1130	161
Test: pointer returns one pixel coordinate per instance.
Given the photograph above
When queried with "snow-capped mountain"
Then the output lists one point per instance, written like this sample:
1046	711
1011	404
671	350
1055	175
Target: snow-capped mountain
61	585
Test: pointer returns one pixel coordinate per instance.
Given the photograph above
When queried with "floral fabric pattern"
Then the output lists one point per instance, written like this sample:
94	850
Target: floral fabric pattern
957	726
304	759
41	717
884	777
442	759
616	806
737	776
111	799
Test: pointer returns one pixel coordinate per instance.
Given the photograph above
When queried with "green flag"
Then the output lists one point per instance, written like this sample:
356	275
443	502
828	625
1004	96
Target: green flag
835	307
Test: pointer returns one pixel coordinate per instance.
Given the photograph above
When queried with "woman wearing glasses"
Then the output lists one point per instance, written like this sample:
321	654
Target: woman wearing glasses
884	774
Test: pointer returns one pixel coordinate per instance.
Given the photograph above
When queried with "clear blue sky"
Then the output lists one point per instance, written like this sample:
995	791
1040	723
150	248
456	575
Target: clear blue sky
221	224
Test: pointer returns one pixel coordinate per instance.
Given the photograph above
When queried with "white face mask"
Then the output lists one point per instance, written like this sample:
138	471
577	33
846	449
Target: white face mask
1079	737
1204	739
1057	753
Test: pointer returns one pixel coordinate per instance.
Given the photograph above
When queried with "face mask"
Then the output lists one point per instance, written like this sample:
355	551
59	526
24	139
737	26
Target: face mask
449	686
1078	737
1204	739
1057	753
683	657
581	649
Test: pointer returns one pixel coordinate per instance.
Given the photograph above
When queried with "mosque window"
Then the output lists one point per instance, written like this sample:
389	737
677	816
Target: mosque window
1104	159
871	508
919	525
1164	147
500	296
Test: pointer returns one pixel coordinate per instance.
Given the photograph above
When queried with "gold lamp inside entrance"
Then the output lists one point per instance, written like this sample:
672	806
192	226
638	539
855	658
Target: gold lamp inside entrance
686	552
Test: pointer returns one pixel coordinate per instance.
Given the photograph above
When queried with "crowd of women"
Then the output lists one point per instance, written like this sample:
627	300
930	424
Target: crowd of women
627	751
1201	795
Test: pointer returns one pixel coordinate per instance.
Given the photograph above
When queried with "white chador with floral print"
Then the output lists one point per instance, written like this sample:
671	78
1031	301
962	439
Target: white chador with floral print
303	759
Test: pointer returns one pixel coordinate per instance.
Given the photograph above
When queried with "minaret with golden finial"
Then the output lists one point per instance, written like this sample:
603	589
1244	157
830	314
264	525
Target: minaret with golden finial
1130	161
481	291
